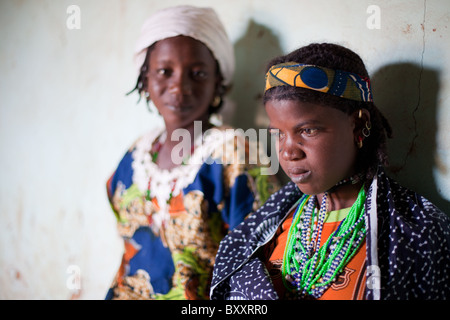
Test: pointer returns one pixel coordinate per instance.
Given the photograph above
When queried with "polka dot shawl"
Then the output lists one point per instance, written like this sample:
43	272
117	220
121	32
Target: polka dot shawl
408	247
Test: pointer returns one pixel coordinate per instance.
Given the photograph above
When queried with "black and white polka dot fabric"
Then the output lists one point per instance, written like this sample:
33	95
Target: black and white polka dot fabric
408	247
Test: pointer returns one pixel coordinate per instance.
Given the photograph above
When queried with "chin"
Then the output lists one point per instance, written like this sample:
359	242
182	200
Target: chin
311	190
305	189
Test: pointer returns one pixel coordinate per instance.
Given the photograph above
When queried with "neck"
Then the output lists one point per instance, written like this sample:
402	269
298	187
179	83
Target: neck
164	160
191	129
341	197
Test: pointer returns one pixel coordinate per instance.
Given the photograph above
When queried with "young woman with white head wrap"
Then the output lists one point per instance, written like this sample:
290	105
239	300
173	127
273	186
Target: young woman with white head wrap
171	215
201	24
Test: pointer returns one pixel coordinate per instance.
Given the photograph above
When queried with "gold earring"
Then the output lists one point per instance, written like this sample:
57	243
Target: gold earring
360	113
216	102
360	142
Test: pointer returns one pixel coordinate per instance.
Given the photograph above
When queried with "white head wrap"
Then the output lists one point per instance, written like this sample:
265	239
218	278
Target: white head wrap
202	24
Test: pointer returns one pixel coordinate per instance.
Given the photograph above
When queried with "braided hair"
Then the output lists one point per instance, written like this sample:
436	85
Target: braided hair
373	153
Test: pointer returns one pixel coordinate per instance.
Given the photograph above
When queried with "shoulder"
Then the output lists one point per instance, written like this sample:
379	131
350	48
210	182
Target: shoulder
258	226
279	202
406	204
237	247
136	155
272	210
412	231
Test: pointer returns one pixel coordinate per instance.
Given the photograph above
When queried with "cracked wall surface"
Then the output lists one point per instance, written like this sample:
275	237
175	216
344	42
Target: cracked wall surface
65	120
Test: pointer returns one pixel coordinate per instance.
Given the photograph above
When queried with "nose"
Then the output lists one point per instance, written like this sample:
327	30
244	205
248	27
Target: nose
180	84
291	150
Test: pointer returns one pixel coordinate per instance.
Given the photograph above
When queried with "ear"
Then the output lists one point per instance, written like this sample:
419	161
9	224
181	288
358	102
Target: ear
361	117
220	88
219	92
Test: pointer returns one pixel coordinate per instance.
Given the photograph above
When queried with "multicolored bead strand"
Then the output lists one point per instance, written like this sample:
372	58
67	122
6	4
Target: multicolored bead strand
310	270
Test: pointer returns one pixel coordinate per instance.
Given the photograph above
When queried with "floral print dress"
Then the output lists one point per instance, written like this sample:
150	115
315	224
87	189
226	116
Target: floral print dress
172	220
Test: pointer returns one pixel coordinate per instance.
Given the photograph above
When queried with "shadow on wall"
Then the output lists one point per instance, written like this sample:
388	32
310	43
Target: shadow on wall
407	95
253	51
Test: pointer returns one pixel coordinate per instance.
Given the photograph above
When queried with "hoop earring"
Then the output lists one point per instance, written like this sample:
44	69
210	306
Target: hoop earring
366	130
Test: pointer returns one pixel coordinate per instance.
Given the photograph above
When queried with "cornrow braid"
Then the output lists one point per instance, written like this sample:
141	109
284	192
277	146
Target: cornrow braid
373	153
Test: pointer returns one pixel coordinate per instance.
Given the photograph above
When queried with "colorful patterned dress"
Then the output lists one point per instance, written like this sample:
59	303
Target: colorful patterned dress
173	220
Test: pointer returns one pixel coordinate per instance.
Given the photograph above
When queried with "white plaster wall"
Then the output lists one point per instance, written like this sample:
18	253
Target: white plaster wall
65	121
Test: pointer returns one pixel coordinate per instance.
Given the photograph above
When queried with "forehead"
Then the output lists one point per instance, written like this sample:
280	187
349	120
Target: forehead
182	49
287	113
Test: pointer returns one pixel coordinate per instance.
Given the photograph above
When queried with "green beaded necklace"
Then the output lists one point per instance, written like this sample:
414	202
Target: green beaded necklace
309	270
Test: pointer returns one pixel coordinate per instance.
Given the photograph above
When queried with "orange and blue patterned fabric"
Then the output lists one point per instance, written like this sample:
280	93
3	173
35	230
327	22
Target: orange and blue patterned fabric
336	82
173	258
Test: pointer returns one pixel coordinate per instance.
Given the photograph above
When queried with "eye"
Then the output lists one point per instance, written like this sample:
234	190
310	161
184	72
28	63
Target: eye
309	132
199	74
163	72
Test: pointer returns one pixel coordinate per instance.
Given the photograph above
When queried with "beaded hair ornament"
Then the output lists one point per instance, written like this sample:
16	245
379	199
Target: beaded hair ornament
336	82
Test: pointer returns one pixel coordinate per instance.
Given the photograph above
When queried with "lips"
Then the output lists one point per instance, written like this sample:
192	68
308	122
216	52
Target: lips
298	175
178	108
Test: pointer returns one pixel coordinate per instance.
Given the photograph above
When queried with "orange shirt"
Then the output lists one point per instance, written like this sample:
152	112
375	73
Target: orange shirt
350	284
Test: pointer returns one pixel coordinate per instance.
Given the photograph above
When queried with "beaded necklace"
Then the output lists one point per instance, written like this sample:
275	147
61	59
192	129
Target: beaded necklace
309	270
154	152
